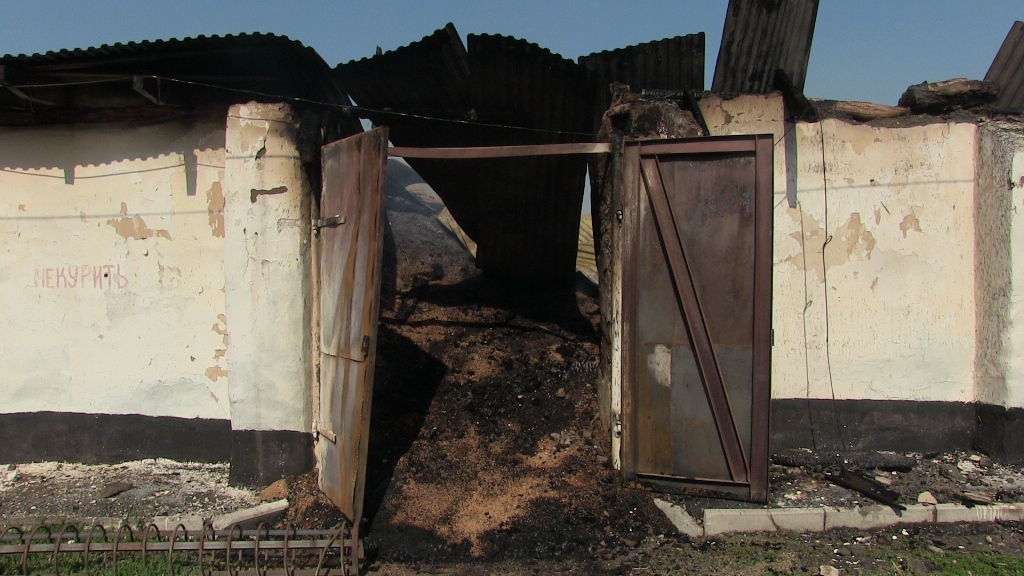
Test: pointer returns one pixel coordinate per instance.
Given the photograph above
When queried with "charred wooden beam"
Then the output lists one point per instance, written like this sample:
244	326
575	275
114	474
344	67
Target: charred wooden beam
800	109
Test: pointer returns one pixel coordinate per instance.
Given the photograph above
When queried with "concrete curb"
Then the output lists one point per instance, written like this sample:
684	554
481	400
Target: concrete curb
726	520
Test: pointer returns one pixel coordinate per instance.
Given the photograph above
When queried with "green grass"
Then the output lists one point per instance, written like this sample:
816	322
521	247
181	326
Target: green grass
965	564
127	565
980	564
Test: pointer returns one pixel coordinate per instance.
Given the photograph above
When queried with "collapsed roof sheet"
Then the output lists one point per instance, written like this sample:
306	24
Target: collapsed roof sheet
669	64
760	37
522	212
1007	69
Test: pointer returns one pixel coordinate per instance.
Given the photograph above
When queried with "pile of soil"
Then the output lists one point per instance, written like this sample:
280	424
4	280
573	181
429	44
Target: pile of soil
485	442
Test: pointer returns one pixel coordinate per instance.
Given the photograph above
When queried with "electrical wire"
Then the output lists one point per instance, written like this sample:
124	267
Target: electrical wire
843	447
360	111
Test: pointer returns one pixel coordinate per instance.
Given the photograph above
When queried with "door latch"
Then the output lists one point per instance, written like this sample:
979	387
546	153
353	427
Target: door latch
329	222
365	348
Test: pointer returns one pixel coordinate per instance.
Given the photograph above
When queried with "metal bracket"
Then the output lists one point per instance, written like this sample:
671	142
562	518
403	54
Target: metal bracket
365	348
329	222
318	431
138	87
17	92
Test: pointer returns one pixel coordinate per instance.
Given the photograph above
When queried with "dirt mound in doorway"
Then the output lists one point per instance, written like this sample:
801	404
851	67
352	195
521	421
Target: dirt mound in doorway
485	441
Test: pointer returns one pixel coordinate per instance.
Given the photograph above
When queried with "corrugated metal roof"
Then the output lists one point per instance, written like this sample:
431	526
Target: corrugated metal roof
761	36
522	212
155	47
256	62
671	64
1007	69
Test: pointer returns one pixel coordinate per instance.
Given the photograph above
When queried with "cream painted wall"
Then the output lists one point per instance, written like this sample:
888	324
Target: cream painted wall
892	231
111	273
896	243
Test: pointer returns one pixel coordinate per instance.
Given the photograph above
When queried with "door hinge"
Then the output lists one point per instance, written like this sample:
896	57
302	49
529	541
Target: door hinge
329	222
365	348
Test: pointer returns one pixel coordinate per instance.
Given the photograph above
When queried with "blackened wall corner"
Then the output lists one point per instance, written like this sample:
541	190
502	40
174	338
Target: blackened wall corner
1000	433
260	457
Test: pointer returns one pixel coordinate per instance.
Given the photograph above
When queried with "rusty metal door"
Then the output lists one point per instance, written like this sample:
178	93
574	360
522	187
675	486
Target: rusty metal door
697	314
350	232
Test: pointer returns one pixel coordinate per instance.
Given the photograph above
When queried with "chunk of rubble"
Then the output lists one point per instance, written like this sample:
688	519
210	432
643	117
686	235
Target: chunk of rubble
949	95
251	517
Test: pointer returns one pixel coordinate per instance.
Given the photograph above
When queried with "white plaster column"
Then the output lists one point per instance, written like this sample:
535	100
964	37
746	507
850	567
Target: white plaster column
266	269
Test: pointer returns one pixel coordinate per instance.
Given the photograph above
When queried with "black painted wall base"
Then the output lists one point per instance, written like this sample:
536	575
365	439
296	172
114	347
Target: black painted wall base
259	457
898	425
110	438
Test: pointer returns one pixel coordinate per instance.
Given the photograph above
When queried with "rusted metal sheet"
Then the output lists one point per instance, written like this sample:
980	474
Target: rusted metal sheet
350	267
696	305
523	213
1007	70
683	280
501	151
673	64
760	37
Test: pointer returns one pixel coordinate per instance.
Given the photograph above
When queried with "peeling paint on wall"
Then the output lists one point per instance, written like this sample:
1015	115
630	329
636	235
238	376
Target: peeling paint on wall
135	228
215	204
256	193
910	222
214	372
850	240
221	327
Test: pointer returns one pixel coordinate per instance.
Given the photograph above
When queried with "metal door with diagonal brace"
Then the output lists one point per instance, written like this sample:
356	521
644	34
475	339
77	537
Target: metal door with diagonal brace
350	233
697	314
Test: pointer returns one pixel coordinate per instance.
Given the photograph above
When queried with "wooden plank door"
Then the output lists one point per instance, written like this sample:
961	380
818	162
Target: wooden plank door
350	233
697	315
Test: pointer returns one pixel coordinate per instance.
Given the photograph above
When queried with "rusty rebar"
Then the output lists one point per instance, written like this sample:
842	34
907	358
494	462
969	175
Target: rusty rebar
298	549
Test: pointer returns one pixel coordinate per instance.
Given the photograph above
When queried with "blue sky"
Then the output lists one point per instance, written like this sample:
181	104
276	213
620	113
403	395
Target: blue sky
863	49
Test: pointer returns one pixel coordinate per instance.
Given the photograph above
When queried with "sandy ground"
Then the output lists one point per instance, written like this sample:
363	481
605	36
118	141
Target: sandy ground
139	489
